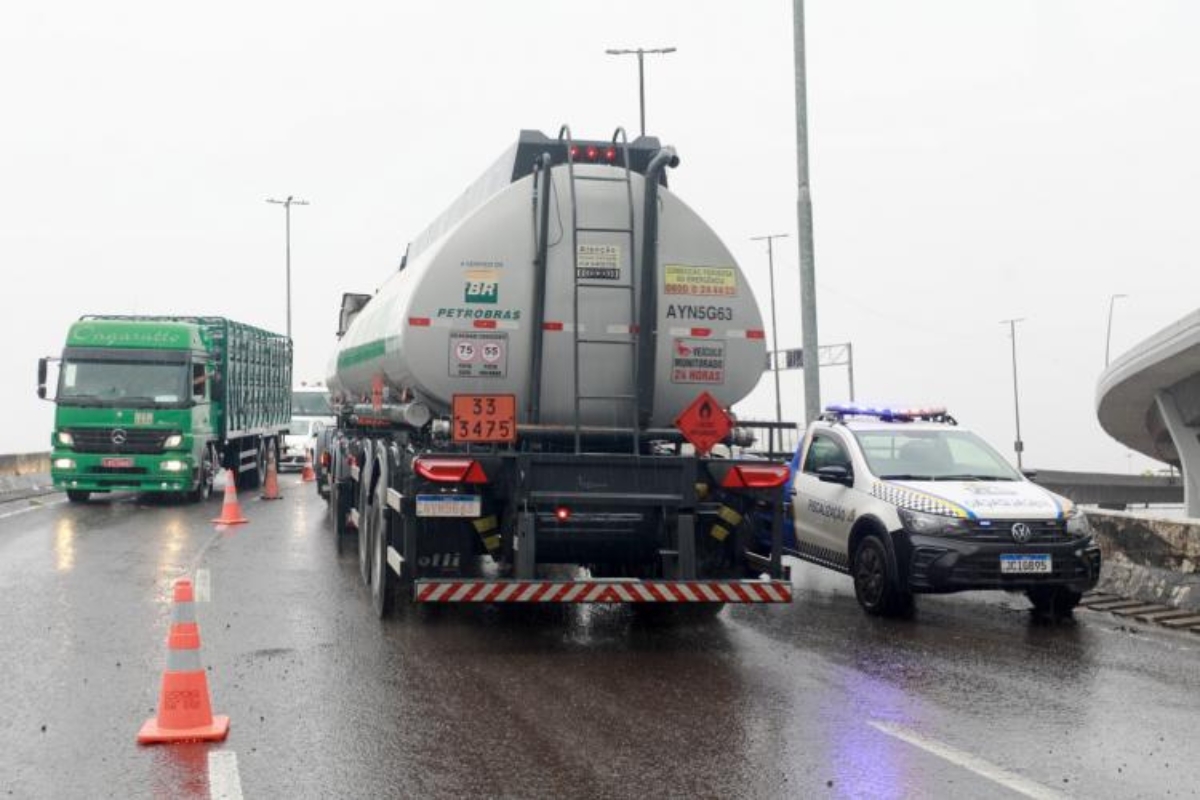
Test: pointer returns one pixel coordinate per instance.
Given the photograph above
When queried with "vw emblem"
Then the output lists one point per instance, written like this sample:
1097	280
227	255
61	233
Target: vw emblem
1021	533
119	436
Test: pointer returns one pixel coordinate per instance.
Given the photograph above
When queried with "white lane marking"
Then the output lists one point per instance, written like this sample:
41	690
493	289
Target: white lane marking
37	507
224	782
986	769
203	586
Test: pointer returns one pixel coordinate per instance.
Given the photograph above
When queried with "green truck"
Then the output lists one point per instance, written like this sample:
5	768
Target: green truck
157	404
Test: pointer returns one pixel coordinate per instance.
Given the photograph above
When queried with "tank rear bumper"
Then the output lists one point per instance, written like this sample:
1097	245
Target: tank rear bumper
602	591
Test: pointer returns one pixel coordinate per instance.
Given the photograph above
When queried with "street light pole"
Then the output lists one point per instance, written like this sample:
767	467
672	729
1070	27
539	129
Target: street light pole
640	53
774	327
1112	299
804	223
1019	446
287	216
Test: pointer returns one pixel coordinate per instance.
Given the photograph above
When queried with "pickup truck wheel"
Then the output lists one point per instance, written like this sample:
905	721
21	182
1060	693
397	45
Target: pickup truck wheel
873	586
1054	602
78	495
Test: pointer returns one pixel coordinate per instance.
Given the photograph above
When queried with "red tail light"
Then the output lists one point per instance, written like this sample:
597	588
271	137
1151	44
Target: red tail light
746	476
450	470
326	459
562	513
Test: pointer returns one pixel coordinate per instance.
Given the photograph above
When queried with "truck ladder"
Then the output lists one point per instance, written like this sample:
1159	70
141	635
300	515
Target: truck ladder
621	144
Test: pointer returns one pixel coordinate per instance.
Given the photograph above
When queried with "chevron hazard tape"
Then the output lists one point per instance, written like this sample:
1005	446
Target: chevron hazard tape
509	591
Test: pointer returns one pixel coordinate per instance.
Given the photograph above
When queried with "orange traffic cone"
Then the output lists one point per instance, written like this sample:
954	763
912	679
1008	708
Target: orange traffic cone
308	476
184	710
231	510
271	487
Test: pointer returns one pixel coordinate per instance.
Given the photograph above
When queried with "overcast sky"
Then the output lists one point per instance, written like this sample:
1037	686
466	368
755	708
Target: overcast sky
970	162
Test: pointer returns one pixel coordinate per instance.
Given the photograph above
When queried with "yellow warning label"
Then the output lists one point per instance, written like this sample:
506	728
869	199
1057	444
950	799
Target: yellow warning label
700	281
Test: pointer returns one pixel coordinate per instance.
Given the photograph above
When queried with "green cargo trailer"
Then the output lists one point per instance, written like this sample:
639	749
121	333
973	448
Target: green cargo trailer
158	404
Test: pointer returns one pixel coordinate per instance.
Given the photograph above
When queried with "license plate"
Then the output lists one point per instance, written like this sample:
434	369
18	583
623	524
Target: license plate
449	505
1025	564
116	462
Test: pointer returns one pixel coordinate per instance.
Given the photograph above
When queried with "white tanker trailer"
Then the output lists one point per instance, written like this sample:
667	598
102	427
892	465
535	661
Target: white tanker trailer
507	399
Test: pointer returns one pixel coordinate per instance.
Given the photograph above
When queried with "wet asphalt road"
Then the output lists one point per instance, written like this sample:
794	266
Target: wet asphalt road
970	699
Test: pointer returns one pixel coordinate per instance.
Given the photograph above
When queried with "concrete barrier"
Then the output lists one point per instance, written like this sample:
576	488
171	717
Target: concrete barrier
1148	558
24	464
24	475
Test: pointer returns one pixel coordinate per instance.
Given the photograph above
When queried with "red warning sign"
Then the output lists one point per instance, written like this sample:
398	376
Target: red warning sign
704	423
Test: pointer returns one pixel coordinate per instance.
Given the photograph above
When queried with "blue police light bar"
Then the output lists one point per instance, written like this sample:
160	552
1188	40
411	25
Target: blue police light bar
887	414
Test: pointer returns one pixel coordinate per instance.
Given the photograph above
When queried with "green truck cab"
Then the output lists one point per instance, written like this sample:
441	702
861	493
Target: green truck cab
159	404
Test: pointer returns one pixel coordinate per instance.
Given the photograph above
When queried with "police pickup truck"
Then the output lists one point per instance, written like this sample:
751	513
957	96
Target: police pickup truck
905	502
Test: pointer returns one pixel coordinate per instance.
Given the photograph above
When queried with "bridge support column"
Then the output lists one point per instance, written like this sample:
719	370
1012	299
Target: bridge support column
1187	444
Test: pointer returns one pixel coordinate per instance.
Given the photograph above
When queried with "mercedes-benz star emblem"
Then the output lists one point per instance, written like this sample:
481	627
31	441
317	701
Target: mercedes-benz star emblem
119	436
1021	533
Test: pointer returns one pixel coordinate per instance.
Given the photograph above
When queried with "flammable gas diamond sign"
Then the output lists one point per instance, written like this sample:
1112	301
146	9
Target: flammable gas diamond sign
704	423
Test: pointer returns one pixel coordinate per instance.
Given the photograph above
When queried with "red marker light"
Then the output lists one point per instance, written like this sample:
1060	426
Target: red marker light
591	153
562	513
574	152
611	154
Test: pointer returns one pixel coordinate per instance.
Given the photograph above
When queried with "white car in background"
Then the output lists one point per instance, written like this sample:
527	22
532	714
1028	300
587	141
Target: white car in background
299	442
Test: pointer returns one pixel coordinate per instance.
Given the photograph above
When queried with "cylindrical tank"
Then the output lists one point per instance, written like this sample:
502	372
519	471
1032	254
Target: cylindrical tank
458	318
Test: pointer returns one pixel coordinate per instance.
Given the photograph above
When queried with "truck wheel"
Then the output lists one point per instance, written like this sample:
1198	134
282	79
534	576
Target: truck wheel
204	484
874	588
383	581
365	517
1054	602
78	495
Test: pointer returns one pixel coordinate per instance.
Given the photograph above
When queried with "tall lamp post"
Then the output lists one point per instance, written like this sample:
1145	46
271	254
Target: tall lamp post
287	215
804	222
640	53
774	327
1112	299
1019	446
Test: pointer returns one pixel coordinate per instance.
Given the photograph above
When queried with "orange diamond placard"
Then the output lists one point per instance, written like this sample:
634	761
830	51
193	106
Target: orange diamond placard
704	423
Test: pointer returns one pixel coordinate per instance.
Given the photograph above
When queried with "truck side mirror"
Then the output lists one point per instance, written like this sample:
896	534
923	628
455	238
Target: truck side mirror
41	389
835	473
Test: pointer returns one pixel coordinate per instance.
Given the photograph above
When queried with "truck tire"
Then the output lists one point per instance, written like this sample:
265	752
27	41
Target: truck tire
384	582
1054	602
873	585
204	480
366	479
78	495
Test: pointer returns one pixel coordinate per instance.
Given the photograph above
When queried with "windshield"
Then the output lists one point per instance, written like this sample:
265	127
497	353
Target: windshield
908	454
311	404
122	383
299	427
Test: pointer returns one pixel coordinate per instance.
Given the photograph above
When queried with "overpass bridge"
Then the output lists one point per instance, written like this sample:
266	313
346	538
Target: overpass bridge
1149	400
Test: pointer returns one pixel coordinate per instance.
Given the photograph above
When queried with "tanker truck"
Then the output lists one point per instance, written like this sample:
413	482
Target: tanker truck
157	404
531	409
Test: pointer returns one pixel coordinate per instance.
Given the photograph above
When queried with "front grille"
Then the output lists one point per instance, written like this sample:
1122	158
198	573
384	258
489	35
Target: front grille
1000	530
99	440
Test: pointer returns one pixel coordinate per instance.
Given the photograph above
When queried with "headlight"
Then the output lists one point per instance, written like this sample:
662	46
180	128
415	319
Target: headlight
64	463
932	524
1077	524
173	465
174	440
65	438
